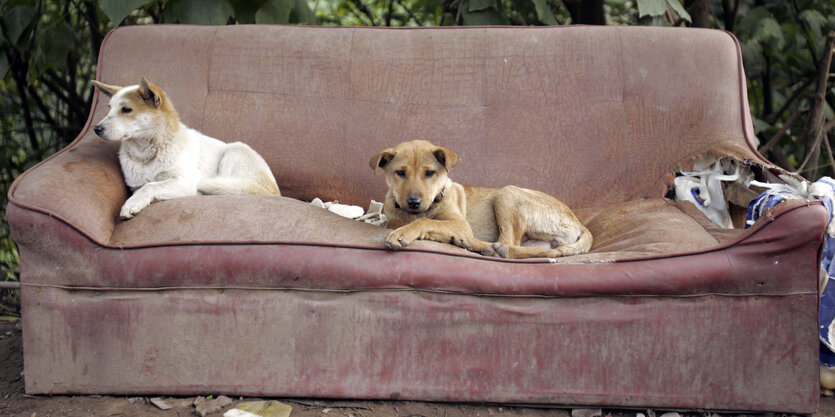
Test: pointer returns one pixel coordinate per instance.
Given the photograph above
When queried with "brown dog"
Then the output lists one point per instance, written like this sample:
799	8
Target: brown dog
424	203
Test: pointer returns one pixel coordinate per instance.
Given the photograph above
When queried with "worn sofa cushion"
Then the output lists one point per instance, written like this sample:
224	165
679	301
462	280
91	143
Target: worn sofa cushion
622	231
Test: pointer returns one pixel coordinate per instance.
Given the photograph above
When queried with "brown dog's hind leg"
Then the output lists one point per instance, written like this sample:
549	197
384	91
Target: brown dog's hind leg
522	213
511	231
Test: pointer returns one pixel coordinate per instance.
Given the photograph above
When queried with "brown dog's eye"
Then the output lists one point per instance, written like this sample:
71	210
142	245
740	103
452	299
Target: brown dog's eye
126	109
400	173
429	173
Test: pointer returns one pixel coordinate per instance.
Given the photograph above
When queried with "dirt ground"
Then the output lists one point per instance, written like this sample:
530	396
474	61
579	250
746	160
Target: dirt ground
14	402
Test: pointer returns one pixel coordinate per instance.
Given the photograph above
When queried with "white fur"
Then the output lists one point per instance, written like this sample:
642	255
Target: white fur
160	163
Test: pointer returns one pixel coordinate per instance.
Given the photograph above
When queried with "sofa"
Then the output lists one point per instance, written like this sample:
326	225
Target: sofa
272	296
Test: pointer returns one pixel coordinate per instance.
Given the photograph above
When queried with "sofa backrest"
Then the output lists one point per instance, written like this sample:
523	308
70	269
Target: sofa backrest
592	115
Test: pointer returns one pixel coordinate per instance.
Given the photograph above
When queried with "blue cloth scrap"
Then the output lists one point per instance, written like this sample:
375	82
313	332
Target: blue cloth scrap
766	200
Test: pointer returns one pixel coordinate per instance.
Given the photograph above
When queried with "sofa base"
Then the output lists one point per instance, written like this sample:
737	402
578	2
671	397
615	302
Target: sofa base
743	353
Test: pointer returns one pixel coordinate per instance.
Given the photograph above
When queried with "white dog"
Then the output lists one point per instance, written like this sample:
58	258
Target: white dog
162	158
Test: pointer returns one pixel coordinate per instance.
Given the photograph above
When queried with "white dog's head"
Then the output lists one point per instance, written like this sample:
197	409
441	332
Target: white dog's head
136	112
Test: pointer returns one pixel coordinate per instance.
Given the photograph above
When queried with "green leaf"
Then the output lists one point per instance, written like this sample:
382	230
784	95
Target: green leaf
274	12
679	9
544	13
815	21
660	20
748	22
16	20
245	10
651	7
38	64
770	33
761	25
760	126
201	12
476	5
486	17
448	19
752	57
117	10
56	43
301	13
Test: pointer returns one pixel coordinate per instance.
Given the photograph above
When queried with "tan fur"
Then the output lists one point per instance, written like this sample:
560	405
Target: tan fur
509	222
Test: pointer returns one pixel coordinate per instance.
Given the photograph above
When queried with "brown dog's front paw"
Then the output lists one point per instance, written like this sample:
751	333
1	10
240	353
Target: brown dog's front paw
461	242
397	240
496	249
393	244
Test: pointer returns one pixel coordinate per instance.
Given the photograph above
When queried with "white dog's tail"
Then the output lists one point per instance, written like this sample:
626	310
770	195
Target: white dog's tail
235	185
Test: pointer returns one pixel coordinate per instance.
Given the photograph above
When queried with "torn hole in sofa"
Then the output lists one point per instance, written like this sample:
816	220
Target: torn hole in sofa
734	193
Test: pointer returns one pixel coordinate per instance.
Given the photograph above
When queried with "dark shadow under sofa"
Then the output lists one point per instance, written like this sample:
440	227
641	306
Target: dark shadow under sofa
270	296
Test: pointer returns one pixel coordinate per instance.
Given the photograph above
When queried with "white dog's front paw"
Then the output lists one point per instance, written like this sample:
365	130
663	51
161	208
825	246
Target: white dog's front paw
132	207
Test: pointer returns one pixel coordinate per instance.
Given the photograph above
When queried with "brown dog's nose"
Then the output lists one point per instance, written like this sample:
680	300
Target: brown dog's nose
413	203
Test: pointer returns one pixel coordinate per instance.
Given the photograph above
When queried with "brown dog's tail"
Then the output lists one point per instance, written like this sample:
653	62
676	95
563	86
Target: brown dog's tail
581	246
234	185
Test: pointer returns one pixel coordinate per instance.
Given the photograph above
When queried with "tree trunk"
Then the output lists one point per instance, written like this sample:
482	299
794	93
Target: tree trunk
586	12
699	11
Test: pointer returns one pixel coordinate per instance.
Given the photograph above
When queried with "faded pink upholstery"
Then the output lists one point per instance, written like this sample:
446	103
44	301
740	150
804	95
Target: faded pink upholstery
268	296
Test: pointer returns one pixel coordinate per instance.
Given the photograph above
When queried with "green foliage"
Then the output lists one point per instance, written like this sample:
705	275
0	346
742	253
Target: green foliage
203	12
782	46
117	10
658	12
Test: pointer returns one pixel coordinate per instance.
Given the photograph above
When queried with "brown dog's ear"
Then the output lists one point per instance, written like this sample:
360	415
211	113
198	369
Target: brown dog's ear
446	157
381	159
108	90
150	93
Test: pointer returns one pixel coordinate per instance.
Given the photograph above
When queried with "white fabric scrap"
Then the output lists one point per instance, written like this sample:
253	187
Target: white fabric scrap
703	186
374	215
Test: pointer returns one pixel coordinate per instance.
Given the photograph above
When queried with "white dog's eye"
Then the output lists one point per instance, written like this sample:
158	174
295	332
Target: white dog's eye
126	109
400	173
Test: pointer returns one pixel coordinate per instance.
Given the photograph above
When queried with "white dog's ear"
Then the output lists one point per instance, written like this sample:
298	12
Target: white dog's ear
150	93
446	157
108	90
381	159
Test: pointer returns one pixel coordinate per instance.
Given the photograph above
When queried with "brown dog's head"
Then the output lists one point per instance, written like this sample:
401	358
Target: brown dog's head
416	173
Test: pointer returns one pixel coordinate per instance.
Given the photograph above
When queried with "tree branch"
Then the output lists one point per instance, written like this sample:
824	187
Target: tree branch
829	154
364	9
409	12
814	127
65	93
388	15
774	139
18	70
771	118
91	15
779	157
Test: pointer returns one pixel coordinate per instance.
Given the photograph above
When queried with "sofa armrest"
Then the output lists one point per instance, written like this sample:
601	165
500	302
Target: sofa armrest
82	186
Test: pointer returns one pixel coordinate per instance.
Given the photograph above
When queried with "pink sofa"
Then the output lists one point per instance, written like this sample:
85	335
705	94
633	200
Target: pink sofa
269	296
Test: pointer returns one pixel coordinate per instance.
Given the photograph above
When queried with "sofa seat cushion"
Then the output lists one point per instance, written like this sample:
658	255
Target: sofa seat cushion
629	230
